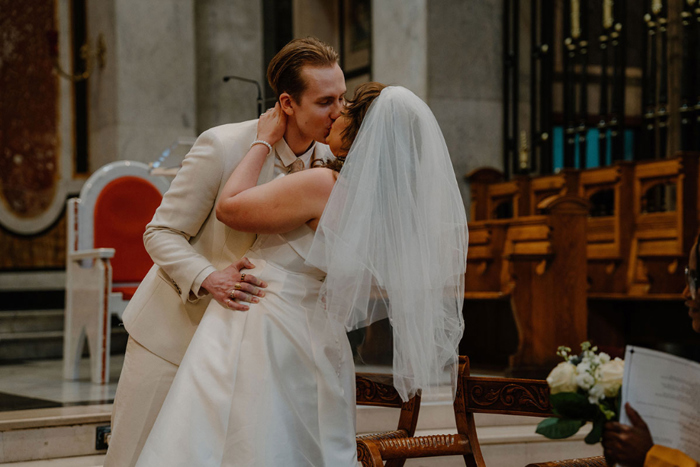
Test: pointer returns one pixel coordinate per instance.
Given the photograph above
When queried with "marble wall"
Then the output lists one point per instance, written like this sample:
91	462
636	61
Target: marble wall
449	53
464	81
318	18
228	42
144	99
400	38
166	60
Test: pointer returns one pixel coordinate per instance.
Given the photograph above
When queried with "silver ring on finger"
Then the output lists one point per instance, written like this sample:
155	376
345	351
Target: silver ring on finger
232	294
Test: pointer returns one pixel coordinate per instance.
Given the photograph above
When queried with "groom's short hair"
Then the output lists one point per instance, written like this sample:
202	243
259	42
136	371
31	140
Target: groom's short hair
284	70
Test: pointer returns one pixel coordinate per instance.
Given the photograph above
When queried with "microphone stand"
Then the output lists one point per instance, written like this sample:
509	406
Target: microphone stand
247	80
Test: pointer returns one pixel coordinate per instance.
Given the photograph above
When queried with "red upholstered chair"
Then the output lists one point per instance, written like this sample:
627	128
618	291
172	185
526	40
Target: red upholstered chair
106	259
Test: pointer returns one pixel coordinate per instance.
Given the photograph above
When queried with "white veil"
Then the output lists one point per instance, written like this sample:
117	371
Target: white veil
393	241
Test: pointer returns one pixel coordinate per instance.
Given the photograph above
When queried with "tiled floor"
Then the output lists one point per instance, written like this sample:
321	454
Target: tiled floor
43	380
85	461
41	383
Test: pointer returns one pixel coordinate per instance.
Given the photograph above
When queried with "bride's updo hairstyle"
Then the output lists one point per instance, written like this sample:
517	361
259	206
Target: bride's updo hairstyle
355	111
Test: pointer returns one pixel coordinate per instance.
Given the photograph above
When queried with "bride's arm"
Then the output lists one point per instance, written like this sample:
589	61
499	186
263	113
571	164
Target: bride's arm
280	205
271	127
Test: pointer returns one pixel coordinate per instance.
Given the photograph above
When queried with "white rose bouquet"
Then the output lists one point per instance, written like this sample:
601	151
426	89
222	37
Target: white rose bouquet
583	388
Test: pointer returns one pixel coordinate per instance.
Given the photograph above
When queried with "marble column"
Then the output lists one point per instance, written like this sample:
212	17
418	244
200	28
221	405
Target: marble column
229	42
449	54
144	98
318	18
400	38
464	81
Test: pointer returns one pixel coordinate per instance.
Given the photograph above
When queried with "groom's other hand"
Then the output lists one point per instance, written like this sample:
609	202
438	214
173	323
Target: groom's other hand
627	445
229	286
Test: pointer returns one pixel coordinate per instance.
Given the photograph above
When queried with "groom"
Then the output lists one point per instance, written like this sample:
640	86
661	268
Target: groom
197	258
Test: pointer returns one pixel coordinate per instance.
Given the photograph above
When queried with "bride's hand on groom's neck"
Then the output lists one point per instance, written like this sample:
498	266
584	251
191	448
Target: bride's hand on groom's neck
272	125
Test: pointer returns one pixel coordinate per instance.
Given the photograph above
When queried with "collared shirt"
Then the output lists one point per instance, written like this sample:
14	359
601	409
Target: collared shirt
286	156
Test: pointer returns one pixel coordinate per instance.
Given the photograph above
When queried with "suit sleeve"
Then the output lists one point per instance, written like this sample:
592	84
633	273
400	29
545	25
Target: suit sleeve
185	208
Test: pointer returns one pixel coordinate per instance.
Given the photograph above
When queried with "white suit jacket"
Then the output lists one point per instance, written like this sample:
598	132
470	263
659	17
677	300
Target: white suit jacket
187	242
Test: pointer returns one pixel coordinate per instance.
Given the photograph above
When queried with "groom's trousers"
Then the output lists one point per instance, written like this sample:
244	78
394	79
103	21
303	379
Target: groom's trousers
143	385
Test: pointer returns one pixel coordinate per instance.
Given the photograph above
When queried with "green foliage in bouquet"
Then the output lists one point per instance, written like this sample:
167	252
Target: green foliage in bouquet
583	388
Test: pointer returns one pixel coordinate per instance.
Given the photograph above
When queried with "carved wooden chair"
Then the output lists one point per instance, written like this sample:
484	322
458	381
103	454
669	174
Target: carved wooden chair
474	395
106	258
377	390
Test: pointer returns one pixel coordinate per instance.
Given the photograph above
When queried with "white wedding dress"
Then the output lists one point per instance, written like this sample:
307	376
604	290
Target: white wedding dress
266	387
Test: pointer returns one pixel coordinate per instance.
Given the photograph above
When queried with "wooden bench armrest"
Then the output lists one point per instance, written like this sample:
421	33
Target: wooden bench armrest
586	462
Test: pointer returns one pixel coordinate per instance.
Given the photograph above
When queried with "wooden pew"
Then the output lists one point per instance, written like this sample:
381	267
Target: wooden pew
492	198
538	262
665	225
484	276
545	258
541	188
609	190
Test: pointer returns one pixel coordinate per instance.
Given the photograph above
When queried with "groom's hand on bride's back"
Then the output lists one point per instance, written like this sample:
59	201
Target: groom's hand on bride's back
230	287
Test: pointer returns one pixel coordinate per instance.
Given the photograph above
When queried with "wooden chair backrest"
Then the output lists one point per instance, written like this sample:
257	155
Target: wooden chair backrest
505	396
122	210
115	205
377	390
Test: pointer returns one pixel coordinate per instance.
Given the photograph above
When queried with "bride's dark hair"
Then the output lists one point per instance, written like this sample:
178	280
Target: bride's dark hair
355	111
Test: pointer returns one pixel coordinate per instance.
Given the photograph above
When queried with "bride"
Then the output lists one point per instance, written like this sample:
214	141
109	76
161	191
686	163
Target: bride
386	236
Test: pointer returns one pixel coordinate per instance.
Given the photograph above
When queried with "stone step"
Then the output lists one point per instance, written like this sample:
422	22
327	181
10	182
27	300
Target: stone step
81	461
31	321
65	432
68	434
36	345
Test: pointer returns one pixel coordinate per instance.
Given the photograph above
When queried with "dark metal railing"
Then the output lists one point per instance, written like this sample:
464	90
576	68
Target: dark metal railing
690	76
541	90
618	36
572	33
586	39
511	32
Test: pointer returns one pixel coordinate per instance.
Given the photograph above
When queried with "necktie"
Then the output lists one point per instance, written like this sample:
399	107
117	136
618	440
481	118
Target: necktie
296	166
